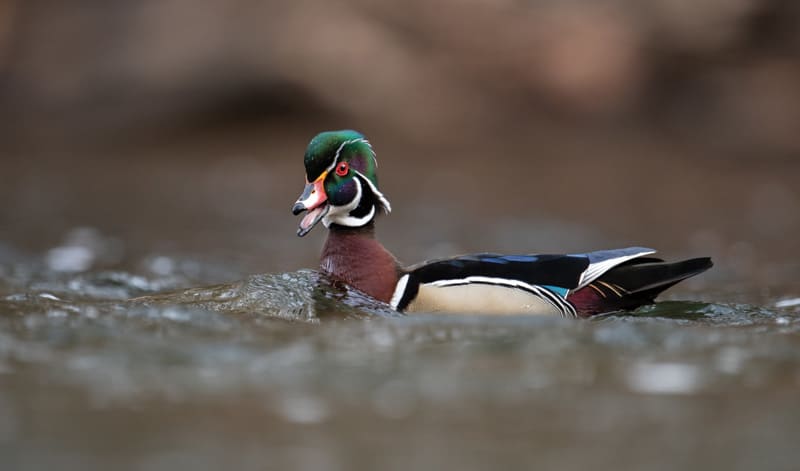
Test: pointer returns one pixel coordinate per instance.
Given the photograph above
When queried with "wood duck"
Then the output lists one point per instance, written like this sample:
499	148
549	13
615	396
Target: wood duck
342	191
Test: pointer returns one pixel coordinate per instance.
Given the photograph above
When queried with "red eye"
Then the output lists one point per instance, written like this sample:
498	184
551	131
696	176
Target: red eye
342	169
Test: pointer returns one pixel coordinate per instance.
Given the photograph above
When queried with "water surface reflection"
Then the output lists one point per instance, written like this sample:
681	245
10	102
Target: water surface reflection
300	373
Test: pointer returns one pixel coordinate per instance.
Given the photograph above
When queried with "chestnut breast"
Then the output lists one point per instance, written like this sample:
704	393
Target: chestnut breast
359	260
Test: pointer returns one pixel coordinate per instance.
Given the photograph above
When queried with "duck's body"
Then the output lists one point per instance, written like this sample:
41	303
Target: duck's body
342	192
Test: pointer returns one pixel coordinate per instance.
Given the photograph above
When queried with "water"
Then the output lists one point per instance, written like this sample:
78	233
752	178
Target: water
111	369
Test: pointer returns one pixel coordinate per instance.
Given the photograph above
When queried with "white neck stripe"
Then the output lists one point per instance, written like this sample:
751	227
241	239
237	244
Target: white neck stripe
384	202
399	291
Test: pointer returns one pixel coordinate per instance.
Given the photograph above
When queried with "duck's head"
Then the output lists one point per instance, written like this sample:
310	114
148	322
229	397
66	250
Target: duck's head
341	182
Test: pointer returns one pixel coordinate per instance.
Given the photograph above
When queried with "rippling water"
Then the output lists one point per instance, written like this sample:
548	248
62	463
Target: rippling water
111	370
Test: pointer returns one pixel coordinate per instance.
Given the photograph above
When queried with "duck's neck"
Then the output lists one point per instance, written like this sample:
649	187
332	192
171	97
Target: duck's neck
354	256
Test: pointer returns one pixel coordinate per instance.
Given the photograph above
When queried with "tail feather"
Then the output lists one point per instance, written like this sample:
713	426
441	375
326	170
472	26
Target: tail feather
649	276
634	283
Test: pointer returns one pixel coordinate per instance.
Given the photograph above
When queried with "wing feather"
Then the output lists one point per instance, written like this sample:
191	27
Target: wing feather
604	260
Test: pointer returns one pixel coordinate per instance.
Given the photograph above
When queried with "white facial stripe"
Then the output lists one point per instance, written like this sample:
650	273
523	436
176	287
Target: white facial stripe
378	194
336	157
345	143
341	214
399	291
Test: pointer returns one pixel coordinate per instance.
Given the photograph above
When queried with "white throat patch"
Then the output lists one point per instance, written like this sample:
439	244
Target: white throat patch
341	214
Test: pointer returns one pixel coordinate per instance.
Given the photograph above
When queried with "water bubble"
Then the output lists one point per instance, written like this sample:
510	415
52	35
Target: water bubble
382	338
70	259
134	281
791	302
176	315
81	248
91	312
161	265
663	378
731	359
303	409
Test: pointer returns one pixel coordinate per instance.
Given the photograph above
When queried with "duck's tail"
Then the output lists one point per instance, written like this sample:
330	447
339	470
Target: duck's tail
633	284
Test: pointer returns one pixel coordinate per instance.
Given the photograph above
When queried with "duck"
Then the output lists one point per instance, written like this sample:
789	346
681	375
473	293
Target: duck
342	193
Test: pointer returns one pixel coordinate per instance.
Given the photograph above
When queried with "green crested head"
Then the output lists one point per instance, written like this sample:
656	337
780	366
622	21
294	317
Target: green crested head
342	182
340	146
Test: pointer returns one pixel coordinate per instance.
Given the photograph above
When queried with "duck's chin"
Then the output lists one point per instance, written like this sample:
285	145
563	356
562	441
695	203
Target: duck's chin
312	218
347	218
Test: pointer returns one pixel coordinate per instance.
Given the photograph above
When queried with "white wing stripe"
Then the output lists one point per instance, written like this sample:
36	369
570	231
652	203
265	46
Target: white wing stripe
595	270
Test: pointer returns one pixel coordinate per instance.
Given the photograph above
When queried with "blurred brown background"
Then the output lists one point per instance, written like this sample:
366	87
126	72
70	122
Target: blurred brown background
177	127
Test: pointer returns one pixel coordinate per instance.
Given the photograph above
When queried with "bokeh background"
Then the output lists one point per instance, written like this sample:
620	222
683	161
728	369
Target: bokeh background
158	144
178	126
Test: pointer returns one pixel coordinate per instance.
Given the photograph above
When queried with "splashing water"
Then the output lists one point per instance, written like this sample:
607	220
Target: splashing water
322	377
